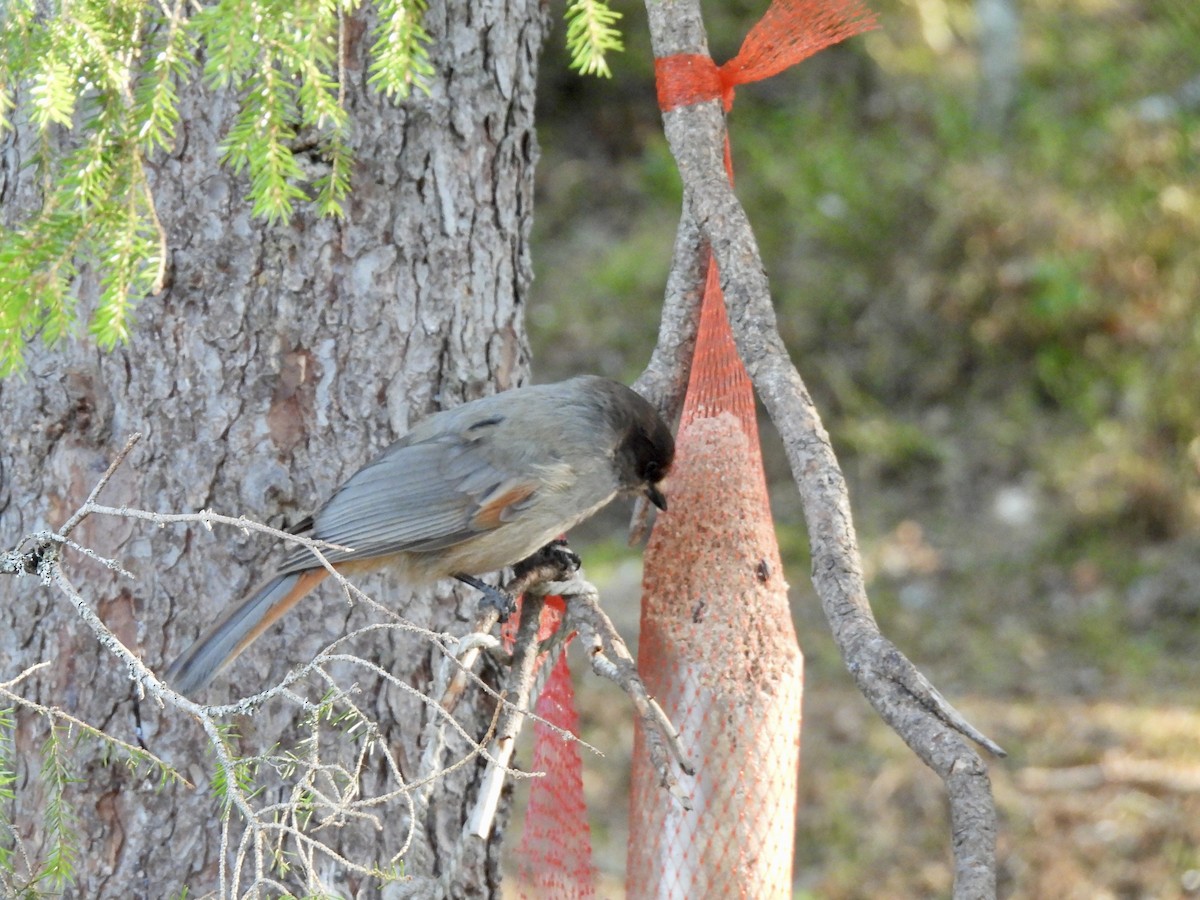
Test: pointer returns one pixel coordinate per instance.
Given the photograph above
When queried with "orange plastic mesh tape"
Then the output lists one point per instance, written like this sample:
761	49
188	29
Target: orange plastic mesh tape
789	31
719	652
555	854
554	858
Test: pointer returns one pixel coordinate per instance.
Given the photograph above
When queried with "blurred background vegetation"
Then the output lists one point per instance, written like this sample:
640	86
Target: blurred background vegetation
996	309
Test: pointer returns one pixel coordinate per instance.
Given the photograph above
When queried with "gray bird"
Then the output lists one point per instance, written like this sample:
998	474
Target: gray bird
467	491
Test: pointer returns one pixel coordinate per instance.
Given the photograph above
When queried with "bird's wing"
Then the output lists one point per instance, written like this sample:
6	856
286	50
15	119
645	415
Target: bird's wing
421	496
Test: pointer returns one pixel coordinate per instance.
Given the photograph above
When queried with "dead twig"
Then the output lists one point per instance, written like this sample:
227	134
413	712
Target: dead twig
82	513
545	565
521	678
611	659
326	790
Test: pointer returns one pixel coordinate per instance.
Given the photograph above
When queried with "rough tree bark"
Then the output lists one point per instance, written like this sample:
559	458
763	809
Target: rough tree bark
278	361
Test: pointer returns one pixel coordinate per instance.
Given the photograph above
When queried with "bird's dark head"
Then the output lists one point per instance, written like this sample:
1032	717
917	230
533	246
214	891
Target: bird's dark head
653	454
645	447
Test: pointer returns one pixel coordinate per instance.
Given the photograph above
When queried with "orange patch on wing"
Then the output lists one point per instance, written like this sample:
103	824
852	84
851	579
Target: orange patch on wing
491	514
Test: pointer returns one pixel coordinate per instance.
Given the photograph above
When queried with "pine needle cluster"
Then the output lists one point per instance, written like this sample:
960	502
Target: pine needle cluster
97	83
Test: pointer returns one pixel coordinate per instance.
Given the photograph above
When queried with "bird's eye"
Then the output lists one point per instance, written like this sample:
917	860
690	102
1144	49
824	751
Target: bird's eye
652	472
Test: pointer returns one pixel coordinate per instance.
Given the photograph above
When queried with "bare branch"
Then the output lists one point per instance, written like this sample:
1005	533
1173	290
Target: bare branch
527	574
82	512
208	518
323	793
521	678
611	659
664	382
903	697
665	379
329	789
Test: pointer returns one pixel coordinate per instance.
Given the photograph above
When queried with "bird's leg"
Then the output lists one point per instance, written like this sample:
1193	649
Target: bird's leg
554	562
504	603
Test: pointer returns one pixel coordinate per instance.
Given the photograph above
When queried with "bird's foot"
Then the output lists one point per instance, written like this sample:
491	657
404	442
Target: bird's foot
504	603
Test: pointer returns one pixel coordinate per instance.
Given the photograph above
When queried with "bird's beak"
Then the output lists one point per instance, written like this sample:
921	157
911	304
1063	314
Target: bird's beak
655	496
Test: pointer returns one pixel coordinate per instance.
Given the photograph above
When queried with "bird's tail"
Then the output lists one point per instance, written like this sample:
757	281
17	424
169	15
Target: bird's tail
237	628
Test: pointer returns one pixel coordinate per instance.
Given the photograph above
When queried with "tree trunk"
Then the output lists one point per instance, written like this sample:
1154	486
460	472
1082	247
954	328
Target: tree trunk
999	40
279	361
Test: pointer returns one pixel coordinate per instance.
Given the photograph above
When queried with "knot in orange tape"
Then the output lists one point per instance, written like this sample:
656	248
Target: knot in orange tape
688	78
789	31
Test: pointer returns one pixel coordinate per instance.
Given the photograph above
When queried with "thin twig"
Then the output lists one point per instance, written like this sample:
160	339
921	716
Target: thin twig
331	789
665	379
611	659
521	677
529	573
208	518
132	752
82	512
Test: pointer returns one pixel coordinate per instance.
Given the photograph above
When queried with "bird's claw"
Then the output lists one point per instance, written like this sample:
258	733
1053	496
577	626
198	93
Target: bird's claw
504	603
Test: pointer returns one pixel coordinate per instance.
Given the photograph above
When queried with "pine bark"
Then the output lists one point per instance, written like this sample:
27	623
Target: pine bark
280	359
